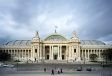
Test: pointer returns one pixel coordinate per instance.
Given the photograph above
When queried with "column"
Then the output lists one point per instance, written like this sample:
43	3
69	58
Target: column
11	51
28	54
44	51
99	53
69	52
82	53
78	47
22	54
52	53
91	51
60	52
88	53
32	52
38	52
94	51
85	53
66	52
73	52
18	55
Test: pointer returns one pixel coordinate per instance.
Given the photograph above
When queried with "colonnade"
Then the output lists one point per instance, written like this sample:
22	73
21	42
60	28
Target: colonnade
51	51
18	53
86	52
69	52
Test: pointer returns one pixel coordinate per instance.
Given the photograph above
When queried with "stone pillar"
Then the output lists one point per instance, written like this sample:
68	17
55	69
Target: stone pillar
94	51
52	53
82	53
79	53
11	51
39	51
21	52
99	54
91	51
33	53
44	51
28	54
66	52
60	52
72	52
85	54
88	53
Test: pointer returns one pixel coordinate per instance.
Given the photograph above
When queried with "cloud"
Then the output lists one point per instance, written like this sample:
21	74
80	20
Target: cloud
90	19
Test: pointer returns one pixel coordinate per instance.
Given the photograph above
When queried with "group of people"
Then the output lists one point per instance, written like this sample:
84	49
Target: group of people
59	71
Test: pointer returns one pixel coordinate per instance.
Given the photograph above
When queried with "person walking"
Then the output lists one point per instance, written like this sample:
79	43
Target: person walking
58	70
61	70
44	69
52	72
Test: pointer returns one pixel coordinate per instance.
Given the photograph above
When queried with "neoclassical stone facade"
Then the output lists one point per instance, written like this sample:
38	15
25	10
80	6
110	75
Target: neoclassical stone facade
55	47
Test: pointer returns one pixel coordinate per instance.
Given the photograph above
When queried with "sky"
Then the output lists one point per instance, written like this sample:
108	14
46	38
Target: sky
90	19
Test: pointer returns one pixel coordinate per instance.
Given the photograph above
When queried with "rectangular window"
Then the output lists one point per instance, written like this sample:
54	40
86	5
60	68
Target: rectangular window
74	50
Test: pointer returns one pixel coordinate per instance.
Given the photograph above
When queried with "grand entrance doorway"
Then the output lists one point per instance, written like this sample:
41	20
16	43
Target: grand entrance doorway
55	57
55	52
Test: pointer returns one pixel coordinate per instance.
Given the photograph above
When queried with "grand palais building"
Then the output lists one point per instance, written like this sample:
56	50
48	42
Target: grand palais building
54	47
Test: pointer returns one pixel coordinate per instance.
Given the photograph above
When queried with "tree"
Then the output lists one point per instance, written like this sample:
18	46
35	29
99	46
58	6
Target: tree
93	57
5	57
107	55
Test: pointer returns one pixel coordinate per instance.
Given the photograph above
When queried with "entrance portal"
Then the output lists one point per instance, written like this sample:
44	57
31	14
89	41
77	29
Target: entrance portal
55	57
63	57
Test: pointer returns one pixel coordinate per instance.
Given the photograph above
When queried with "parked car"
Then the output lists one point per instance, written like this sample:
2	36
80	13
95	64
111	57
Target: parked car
88	69
8	65
1	64
79	69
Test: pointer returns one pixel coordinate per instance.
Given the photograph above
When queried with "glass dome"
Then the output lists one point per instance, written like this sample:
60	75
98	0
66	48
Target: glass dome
55	37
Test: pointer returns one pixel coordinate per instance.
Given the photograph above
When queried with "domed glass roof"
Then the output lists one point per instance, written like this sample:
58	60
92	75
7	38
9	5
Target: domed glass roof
55	37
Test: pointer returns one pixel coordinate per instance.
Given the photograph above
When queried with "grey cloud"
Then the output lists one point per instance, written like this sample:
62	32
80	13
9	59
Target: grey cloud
90	19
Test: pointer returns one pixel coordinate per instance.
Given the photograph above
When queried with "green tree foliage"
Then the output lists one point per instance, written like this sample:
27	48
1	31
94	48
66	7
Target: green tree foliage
107	55
93	57
5	57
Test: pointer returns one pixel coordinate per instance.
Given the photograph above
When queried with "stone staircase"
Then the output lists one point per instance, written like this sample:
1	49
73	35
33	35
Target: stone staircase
55	61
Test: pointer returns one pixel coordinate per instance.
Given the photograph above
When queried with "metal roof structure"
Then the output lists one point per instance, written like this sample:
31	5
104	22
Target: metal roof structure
55	37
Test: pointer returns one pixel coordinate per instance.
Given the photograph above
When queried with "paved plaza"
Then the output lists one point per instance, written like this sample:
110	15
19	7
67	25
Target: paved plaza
68	70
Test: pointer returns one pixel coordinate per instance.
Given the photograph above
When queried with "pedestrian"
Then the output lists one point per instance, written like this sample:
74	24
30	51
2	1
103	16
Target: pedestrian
58	71
44	69
52	72
61	70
